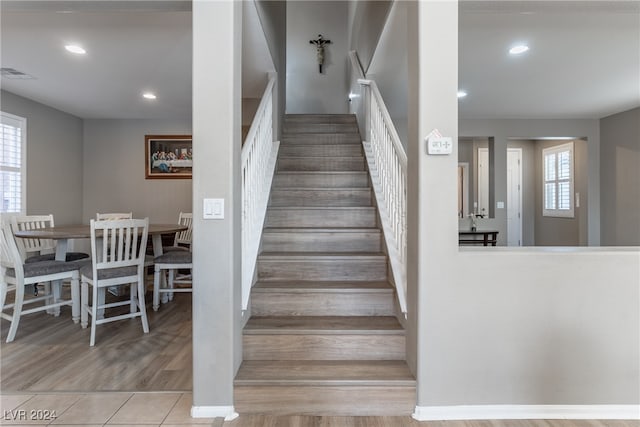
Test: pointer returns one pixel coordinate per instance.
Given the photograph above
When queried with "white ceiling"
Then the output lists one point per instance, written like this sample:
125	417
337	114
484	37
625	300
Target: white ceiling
584	60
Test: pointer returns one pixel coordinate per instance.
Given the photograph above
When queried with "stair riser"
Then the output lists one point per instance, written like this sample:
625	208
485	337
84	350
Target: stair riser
319	198
321	164
321	138
328	401
290	128
321	242
321	180
322	270
320	218
322	304
349	150
319	118
323	347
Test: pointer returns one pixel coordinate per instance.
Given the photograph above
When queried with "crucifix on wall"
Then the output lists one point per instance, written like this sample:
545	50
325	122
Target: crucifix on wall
319	43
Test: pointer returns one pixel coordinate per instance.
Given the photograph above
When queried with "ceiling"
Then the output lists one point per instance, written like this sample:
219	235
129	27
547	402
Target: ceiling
584	60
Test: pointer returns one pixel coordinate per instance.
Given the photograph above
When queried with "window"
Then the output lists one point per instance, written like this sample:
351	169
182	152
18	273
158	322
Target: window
557	163
13	163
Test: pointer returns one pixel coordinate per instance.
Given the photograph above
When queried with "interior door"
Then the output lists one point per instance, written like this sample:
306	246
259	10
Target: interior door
514	197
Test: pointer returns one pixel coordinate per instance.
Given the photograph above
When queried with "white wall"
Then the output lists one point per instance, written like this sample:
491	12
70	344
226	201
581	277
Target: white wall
54	159
114	176
308	91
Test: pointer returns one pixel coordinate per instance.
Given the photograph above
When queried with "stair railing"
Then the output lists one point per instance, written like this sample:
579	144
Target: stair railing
259	154
387	162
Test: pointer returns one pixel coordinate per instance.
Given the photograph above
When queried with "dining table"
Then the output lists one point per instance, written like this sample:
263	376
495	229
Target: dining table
62	234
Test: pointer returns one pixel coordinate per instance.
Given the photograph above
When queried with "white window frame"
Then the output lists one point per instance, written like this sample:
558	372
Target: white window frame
18	122
555	150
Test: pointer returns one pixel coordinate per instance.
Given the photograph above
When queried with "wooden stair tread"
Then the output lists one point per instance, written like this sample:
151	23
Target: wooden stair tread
320	255
321	208
322	286
325	373
322	172
314	325
321	230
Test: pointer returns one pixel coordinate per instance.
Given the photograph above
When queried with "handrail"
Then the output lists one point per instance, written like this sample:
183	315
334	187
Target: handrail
258	158
387	162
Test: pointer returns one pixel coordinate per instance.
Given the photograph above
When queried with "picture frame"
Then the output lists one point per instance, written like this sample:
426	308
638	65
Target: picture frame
168	156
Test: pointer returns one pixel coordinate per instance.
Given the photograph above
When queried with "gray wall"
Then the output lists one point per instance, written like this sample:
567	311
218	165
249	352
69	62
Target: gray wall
620	178
217	321
389	67
114	176
273	17
54	159
505	326
308	91
367	20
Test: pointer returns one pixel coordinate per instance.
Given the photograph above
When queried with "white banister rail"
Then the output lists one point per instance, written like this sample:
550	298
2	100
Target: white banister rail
259	154
388	169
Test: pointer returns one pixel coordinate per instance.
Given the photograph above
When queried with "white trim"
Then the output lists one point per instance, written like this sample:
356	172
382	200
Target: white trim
228	412
520	193
21	122
527	412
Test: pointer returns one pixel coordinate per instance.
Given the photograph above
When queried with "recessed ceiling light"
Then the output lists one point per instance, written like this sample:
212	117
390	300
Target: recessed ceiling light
74	48
517	50
148	95
462	94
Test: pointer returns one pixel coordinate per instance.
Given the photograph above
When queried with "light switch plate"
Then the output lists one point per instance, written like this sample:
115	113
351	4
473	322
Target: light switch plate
213	209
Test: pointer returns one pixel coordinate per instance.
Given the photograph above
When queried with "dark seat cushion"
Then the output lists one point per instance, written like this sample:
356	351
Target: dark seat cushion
175	248
44	268
174	257
71	256
110	273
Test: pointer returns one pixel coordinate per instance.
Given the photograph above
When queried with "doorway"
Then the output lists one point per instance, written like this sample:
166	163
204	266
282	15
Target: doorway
514	196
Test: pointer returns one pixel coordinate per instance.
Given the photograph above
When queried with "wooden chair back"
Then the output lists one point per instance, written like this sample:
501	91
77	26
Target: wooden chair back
118	243
183	238
32	222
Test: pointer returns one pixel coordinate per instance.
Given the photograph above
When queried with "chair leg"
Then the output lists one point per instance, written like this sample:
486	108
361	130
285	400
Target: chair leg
133	305
156	288
132	294
17	311
56	291
142	305
172	275
94	315
75	299
84	305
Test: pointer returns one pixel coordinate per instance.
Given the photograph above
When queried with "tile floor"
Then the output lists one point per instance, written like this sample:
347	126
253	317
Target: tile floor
100	409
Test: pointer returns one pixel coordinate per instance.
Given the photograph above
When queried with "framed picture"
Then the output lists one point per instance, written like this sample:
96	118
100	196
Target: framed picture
168	156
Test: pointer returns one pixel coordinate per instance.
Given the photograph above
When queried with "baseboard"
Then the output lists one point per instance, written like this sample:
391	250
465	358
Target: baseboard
527	412
228	412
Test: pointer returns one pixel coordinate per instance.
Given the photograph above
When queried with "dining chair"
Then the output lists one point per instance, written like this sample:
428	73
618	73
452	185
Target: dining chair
182	240
113	215
16	275
35	250
172	262
117	258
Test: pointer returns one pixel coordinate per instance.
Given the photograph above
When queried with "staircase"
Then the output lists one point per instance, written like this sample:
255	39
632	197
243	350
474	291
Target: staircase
323	338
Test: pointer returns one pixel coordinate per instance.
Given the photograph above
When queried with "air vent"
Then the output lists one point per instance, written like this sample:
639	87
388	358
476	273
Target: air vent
12	73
